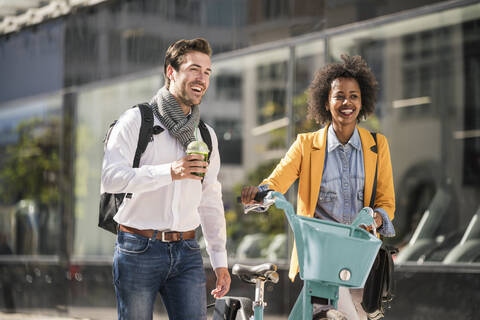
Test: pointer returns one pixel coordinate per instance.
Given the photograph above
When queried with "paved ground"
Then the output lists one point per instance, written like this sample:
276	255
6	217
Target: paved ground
36	316
83	314
72	314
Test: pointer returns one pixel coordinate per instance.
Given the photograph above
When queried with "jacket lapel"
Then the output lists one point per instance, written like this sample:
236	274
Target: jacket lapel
369	163
316	167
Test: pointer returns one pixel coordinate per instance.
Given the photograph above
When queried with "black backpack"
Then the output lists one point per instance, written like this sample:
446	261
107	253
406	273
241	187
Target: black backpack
110	202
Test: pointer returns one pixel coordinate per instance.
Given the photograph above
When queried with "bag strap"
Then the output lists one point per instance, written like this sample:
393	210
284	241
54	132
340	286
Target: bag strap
144	136
374	191
205	136
146	131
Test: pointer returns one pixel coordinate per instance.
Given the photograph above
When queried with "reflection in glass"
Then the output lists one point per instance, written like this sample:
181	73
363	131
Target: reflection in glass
97	109
468	249
471	118
309	58
30	177
246	105
271	91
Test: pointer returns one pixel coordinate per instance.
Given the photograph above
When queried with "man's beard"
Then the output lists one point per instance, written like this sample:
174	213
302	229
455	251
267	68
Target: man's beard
185	99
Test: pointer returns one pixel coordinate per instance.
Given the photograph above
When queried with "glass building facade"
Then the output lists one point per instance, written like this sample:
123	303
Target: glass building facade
66	80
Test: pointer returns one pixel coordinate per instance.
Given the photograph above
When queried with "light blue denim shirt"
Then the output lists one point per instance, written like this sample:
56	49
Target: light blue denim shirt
343	180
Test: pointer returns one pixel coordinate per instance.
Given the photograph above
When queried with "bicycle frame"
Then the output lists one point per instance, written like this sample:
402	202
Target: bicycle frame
259	304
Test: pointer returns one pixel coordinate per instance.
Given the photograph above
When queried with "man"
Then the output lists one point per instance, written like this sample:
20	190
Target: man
156	250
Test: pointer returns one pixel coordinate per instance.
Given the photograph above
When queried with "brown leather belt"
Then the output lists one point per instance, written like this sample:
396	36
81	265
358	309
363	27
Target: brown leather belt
169	236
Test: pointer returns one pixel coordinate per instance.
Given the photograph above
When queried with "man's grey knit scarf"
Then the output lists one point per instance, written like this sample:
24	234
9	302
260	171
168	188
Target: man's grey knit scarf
171	115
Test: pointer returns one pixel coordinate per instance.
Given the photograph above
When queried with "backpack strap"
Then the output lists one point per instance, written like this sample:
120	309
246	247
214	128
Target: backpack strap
374	191
205	136
146	131
144	136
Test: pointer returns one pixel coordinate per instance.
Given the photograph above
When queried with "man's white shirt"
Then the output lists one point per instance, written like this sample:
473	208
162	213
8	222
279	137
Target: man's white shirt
157	201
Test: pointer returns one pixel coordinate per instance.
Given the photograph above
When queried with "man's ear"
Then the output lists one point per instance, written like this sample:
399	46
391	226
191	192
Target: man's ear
171	73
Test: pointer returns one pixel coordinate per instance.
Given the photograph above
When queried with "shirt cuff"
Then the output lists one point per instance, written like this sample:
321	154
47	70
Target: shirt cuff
386	229
162	173
218	259
263	187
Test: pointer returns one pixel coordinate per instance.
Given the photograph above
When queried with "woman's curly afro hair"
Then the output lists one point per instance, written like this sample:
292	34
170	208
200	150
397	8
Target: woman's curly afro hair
352	67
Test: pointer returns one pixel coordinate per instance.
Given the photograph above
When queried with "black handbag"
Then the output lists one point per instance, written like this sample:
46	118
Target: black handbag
378	289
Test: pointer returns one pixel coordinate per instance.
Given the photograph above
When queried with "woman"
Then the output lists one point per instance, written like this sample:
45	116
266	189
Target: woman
336	165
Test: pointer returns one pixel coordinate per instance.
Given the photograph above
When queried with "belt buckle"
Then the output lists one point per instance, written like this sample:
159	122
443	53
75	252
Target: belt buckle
163	237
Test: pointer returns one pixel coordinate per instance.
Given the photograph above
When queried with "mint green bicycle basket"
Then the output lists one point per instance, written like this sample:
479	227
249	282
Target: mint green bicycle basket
331	252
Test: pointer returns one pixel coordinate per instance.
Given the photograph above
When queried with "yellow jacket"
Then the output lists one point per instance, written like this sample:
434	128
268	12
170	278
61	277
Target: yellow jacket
305	160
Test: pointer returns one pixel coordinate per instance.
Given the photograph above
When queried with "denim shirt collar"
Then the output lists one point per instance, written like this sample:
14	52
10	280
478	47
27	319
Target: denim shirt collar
333	142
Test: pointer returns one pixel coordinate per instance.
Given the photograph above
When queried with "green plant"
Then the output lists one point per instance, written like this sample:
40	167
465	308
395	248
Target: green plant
31	167
240	224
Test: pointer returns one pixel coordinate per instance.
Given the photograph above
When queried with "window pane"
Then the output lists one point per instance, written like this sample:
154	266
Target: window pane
246	104
97	109
309	58
30	176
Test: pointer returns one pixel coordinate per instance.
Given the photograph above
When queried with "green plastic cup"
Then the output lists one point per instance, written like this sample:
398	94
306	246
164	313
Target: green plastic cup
198	147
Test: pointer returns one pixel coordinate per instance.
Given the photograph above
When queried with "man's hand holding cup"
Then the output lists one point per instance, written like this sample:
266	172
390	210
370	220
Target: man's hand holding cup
194	164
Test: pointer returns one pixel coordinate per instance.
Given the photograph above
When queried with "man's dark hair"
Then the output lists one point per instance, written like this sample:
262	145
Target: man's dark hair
352	67
175	54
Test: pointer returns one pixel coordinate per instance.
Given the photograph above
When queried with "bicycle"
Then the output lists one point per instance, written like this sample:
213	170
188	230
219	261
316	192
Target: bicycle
321	269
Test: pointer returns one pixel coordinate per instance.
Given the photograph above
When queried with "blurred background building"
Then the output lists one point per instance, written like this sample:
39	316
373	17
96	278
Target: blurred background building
69	68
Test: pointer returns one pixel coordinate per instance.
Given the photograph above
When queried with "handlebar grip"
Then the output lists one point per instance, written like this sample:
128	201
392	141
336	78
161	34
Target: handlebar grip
258	197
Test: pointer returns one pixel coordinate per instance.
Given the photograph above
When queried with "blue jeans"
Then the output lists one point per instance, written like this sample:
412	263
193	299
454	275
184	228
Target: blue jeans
142	267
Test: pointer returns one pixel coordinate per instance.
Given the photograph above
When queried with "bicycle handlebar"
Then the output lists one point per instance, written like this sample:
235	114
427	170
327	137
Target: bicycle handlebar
258	197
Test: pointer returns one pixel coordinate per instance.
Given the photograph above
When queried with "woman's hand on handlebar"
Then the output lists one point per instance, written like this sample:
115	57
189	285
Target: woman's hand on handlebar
255	200
248	194
377	223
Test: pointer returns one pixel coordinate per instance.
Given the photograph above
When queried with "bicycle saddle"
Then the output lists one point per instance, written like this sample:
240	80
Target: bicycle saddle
249	274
